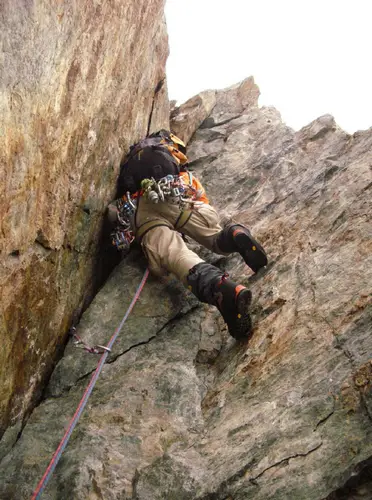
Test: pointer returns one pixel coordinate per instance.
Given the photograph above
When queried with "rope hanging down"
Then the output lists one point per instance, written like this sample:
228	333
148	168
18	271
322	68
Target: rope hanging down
62	445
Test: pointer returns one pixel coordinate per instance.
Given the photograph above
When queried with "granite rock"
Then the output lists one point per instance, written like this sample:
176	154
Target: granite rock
79	83
184	412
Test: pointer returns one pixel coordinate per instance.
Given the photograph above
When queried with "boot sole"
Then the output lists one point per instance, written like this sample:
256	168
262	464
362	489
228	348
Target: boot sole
243	324
251	251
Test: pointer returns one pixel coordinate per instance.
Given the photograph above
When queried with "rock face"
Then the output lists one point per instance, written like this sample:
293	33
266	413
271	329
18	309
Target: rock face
206	109
182	411
79	83
187	118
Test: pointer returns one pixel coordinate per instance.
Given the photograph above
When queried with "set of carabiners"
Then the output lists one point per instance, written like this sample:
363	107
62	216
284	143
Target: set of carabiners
171	189
123	235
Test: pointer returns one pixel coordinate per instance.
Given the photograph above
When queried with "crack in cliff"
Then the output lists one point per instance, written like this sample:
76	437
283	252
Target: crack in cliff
108	362
223	490
276	464
158	87
323	420
175	318
112	359
209	125
139	344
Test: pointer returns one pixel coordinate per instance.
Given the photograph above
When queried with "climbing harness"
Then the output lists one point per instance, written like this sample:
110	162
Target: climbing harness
173	189
62	445
122	236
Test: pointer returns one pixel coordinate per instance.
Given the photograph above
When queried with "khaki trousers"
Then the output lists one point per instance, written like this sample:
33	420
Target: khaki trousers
164	246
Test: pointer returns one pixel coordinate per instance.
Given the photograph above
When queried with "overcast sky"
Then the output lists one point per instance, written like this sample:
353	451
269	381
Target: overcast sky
308	58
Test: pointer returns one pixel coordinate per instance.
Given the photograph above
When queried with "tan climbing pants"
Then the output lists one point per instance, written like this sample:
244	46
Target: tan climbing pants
163	244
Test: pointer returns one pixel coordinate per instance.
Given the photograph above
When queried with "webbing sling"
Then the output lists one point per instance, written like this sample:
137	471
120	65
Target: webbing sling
182	220
147	226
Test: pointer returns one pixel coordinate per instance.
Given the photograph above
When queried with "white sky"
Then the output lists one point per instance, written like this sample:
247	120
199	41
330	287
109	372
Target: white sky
308	57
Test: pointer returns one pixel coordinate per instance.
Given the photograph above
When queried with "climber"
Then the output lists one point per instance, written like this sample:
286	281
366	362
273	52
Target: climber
171	202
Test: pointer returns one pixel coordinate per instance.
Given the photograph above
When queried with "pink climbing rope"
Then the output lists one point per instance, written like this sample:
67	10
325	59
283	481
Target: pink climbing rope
62	445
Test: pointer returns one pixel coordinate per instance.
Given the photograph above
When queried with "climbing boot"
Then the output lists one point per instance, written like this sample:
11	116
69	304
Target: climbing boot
233	302
237	238
212	286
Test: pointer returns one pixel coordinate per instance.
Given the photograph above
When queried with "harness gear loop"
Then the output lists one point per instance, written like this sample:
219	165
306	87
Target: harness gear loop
122	236
172	189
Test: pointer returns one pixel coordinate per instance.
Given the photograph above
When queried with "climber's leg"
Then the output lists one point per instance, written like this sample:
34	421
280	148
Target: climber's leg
204	227
237	238
212	286
166	251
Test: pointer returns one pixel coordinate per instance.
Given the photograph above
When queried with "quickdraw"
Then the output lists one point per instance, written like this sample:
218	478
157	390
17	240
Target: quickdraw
79	410
123	235
79	342
172	189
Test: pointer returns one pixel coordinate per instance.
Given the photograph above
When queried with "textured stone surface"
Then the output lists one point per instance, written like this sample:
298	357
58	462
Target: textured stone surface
189	116
189	413
80	81
205	110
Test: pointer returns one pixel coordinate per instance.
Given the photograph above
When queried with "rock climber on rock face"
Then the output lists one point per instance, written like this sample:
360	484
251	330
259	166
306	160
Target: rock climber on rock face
170	202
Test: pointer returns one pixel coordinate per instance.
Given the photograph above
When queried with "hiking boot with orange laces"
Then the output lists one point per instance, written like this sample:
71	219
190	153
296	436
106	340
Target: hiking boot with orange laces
212	286
237	238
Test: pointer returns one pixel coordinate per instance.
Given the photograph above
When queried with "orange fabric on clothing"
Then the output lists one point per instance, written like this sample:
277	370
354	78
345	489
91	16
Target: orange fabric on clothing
196	184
